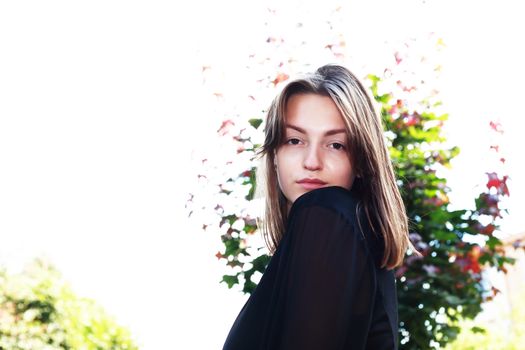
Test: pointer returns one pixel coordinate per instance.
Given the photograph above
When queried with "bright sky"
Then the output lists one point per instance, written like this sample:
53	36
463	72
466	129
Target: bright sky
99	112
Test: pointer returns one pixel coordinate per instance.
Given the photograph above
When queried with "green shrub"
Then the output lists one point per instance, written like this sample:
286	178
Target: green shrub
39	311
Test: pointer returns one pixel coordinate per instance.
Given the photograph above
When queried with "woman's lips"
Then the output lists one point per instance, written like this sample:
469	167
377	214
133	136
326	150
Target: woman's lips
311	184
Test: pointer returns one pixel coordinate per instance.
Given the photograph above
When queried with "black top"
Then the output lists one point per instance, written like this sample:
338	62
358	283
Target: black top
323	288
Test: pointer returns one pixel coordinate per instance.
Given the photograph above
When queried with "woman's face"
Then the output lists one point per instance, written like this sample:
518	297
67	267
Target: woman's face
314	151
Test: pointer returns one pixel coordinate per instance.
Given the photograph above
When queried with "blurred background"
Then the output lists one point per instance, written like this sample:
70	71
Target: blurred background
107	110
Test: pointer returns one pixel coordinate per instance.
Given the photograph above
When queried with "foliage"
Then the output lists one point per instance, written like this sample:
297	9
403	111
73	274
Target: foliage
446	282
39	311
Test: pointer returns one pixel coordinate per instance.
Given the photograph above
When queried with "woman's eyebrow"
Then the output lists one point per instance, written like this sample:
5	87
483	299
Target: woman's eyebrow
327	133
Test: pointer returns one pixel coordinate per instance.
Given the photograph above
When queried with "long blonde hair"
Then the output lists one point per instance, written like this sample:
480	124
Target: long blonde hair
378	191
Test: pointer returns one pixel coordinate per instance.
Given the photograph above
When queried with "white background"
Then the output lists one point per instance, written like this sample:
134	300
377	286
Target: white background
99	112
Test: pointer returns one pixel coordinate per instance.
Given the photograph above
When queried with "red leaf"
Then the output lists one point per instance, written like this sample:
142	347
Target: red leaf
485	230
398	57
496	126
499	184
280	78
225	127
401	271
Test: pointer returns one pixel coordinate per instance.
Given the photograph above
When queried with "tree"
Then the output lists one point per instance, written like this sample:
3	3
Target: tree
39	311
446	282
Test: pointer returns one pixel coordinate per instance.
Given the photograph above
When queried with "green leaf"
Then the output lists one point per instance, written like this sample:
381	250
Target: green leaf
477	329
492	242
230	280
255	122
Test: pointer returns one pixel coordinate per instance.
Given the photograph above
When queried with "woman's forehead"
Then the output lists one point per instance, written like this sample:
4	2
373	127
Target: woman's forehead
312	113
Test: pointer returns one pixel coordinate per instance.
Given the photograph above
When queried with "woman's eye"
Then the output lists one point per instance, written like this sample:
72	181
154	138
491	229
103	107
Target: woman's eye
293	141
337	146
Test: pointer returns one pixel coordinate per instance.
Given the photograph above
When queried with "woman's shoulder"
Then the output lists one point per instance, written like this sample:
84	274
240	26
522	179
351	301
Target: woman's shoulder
337	204
333	198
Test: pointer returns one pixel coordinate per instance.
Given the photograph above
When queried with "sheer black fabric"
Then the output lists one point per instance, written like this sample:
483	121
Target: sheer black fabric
323	288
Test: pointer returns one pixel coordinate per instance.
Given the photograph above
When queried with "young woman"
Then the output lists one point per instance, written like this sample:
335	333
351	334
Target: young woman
334	221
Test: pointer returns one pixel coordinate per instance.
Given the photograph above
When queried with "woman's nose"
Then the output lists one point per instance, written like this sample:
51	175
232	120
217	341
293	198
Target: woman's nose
312	159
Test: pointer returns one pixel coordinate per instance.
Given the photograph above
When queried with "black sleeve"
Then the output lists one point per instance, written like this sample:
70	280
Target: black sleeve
325	284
